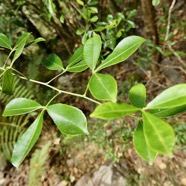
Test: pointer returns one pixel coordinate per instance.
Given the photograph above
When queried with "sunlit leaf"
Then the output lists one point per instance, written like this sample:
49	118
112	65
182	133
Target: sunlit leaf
20	106
22	39
103	87
137	95
51	7
69	120
123	50
112	110
78	67
92	49
94	19
80	2
170	102
158	134
20	45
62	18
155	2
76	57
4	41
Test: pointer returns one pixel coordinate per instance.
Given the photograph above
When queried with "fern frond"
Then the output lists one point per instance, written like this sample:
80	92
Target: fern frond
37	165
11	128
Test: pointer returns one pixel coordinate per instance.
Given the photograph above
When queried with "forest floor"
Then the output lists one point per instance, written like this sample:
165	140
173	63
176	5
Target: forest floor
65	160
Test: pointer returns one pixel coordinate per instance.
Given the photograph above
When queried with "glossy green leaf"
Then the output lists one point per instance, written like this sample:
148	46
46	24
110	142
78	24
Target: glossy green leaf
78	67
20	45
27	141
158	134
170	102
76	57
20	106
53	62
123	50
8	82
103	87
137	95
155	2
92	49
4	41
110	110
76	62
22	39
35	41
69	120
141	146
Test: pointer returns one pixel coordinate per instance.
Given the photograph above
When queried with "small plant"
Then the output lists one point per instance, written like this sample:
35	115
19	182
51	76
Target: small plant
152	136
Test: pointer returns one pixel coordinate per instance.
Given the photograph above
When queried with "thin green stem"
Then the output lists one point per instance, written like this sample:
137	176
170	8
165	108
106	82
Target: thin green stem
52	99
8	58
1	68
2	74
60	91
56	77
85	93
19	72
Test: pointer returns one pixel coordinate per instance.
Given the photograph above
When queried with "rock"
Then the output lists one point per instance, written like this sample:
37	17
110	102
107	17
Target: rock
172	74
104	176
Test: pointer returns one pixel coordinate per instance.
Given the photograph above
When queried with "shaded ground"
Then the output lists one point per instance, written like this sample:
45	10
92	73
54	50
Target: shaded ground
108	150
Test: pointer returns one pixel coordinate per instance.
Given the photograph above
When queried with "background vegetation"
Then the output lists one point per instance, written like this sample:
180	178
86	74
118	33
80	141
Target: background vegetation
159	64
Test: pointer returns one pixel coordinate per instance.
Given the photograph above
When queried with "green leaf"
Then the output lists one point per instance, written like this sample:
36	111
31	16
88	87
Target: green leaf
158	134
20	106
155	2
80	2
4	41
20	45
35	41
62	18
103	87
78	67
170	102
93	10
137	95
8	82
69	120
53	62
94	19
141	146
51	7
123	50
76	57
110	110
22	39
76	62
92	49
80	31
27	141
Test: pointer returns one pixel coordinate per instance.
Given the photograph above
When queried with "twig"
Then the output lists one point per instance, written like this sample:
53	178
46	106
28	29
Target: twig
167	34
169	20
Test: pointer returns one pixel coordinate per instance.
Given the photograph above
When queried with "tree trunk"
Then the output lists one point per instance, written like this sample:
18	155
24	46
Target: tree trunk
151	31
